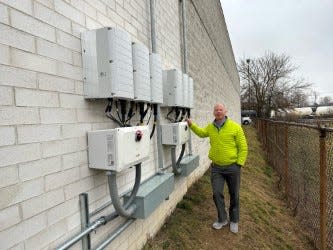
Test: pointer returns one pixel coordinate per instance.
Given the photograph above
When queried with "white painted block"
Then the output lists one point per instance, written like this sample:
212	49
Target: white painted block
39	168
10	155
75	159
16	38
54	148
38	133
45	237
6	96
73	101
17	77
74	189
69	71
18	115
28	97
17	193
89	10
69	12
75	130
7	136
31	25
62	211
33	62
59	84
54	51
51	17
22	5
4	17
41	203
9	217
4	54
9	176
68	41
57	115
62	178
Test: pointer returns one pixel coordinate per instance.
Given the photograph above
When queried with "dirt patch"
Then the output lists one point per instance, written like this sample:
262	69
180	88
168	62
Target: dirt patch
265	220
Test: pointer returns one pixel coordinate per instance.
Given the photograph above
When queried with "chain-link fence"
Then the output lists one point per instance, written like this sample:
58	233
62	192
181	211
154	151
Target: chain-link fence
302	155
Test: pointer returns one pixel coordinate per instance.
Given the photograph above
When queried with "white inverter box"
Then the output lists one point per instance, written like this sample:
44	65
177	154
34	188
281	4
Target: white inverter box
190	93
175	133
107	63
156	82
141	74
118	149
185	91
172	88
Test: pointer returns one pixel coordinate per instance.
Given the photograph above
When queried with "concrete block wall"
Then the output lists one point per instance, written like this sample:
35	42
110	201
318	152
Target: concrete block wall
44	117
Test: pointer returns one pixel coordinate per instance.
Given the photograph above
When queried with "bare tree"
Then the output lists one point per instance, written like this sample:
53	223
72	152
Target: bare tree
315	95
268	83
326	100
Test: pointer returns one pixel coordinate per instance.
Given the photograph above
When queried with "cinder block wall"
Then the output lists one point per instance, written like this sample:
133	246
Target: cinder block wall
44	117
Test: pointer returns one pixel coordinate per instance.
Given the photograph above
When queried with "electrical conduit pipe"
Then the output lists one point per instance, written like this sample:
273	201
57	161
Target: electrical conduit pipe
129	208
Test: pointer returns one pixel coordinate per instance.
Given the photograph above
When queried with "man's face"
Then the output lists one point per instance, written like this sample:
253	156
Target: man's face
219	111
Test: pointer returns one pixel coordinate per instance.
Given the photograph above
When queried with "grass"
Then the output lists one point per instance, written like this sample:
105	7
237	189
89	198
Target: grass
265	220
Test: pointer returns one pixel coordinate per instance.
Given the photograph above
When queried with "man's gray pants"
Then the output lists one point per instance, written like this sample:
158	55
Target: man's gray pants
230	174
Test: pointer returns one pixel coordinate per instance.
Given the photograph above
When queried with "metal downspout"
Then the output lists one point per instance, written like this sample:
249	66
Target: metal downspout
185	61
158	117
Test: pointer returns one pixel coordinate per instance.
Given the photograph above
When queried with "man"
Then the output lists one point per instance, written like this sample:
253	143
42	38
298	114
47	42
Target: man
228	152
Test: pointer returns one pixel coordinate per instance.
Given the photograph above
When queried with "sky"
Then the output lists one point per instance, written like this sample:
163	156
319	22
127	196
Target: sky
301	29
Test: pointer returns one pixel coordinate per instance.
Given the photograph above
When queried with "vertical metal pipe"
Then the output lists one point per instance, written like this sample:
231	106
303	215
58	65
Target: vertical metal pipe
185	61
323	190
158	116
152	26
275	150
84	215
286	160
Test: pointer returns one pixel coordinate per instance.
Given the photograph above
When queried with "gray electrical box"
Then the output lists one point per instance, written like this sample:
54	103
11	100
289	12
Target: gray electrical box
188	164
175	133
107	63
151	194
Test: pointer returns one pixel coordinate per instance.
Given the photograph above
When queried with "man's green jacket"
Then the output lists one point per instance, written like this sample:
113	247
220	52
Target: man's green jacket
227	144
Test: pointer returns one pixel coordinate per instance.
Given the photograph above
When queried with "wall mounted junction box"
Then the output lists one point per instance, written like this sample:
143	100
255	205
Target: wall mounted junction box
175	133
188	164
152	193
118	149
107	63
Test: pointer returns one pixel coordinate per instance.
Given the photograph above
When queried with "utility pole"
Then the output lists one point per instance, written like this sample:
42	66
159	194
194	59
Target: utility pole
249	82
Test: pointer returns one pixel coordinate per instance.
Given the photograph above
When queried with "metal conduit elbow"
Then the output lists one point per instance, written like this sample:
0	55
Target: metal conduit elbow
177	170
128	209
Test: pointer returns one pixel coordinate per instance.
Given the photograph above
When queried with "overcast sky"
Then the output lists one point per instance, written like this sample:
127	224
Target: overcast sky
302	29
